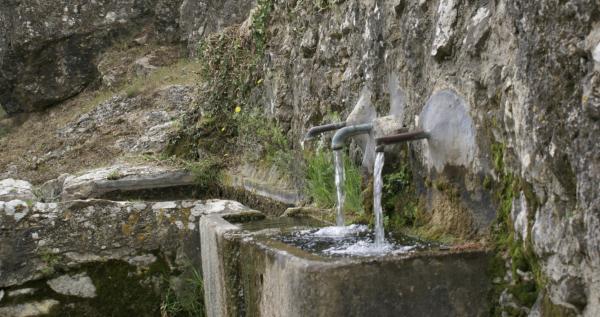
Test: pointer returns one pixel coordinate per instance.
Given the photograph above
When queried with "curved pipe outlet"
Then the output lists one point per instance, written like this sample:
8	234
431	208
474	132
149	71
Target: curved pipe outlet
344	133
399	138
314	131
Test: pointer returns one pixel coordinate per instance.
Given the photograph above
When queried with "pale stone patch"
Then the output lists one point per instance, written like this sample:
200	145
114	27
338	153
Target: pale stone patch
79	285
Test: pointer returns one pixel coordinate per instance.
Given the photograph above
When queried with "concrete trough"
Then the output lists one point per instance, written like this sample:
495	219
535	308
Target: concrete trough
248	273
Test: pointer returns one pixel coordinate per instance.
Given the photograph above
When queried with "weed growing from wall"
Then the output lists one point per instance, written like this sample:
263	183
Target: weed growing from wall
320	183
189	302
206	172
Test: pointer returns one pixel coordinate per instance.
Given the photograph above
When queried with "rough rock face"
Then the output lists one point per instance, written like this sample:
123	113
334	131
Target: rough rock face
97	257
11	189
53	46
49	50
528	71
203	17
78	232
97	183
148	123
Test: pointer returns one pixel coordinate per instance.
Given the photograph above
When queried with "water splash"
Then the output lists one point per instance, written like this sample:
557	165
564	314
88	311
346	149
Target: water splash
339	185
377	209
340	232
365	248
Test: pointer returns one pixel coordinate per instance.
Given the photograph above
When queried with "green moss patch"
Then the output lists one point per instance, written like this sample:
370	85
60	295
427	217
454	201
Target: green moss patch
520	253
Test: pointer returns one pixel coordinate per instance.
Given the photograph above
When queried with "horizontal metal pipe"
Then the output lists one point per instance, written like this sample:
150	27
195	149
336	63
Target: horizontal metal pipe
339	138
314	131
402	137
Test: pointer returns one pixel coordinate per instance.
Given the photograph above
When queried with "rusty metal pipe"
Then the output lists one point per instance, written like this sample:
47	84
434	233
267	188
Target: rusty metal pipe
399	138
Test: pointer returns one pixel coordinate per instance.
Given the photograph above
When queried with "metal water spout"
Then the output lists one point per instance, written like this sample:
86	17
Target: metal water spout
340	137
400	138
315	131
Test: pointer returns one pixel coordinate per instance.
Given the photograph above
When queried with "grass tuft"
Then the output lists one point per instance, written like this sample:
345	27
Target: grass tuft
320	182
188	303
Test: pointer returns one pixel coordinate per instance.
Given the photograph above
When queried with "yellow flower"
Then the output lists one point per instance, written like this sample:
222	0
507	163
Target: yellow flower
238	109
258	82
223	129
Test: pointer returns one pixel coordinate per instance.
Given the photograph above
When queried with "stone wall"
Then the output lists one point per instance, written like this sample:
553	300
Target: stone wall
529	74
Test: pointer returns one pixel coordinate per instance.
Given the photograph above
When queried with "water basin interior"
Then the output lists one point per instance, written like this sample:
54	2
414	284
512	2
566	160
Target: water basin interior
315	237
353	240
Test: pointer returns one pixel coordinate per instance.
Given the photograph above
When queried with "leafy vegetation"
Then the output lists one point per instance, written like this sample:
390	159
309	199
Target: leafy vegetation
4	130
113	175
399	198
259	23
229	121
206	172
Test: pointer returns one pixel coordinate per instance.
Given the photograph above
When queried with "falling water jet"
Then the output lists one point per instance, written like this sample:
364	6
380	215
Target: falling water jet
339	185
337	144
377	189
378	181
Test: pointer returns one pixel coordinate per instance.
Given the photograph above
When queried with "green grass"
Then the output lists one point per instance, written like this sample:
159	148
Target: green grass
206	172
190	302
321	183
261	140
3	129
114	175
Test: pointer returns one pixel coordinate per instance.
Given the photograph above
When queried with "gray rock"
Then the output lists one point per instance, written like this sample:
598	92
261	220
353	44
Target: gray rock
79	285
51	190
54	47
143	67
17	209
519	217
11	189
21	292
451	131
167	21
69	234
444	28
477	30
309	43
145	125
63	44
30	309
201	18
572	291
122	178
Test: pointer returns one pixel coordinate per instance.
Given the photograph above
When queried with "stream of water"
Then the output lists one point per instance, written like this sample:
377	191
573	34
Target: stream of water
339	185
377	189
